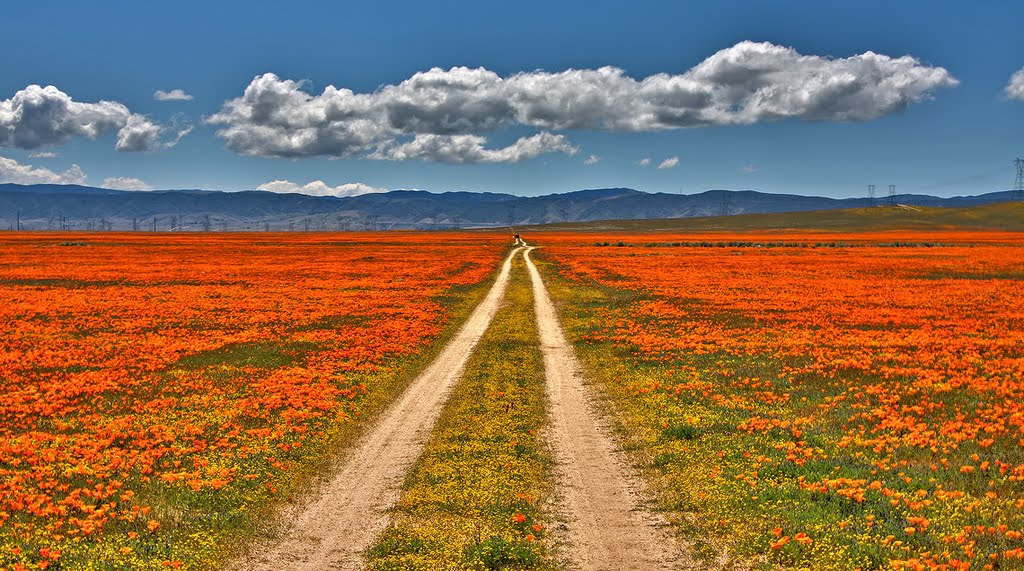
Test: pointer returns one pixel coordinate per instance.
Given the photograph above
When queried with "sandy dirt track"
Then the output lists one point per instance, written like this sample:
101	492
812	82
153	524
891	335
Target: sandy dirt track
608	529
350	511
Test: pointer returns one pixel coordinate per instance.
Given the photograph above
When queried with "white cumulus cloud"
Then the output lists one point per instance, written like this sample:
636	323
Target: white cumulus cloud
592	160
457	149
1015	89
446	115
11	171
138	134
669	163
644	162
42	116
320	188
43	155
125	183
172	95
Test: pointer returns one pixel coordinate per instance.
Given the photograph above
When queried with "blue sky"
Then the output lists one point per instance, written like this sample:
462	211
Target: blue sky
948	133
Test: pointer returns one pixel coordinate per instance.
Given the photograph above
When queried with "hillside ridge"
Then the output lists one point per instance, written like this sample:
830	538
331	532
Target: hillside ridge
42	207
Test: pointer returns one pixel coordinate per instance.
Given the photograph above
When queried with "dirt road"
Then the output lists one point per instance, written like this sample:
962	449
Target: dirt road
350	511
608	529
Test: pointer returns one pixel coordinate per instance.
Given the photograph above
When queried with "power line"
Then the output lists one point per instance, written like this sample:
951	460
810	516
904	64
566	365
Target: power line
726	208
1018	185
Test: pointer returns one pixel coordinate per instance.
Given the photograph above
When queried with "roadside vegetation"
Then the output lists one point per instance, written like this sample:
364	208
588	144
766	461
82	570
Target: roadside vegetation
814	408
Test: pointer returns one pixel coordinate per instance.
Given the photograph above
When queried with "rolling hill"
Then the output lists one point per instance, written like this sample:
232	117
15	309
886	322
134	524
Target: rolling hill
41	207
996	216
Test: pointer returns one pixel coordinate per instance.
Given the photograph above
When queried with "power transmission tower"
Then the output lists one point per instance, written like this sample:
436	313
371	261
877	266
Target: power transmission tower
564	213
892	195
871	195
1018	186
726	204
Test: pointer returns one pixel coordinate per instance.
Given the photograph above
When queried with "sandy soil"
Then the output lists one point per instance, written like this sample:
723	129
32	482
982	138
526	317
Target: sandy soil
608	526
334	529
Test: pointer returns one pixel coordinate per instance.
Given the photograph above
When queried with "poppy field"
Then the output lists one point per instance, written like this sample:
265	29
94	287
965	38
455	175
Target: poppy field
808	400
159	393
794	400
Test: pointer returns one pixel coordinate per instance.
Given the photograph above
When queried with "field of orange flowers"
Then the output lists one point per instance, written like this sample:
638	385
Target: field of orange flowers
157	392
813	400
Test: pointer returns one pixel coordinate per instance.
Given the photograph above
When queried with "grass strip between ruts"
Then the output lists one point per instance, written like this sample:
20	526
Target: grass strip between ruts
473	499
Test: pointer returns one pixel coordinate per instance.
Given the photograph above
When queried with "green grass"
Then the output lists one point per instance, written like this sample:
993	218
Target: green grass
474	497
258	354
1002	216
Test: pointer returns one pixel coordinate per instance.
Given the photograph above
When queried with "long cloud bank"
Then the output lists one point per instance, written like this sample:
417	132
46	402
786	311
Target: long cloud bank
43	116
447	115
319	188
11	171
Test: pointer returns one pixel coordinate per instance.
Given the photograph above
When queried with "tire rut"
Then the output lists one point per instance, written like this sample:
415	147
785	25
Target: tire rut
608	527
348	513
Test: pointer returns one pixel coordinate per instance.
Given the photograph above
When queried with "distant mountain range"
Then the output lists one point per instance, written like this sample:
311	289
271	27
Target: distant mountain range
41	207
